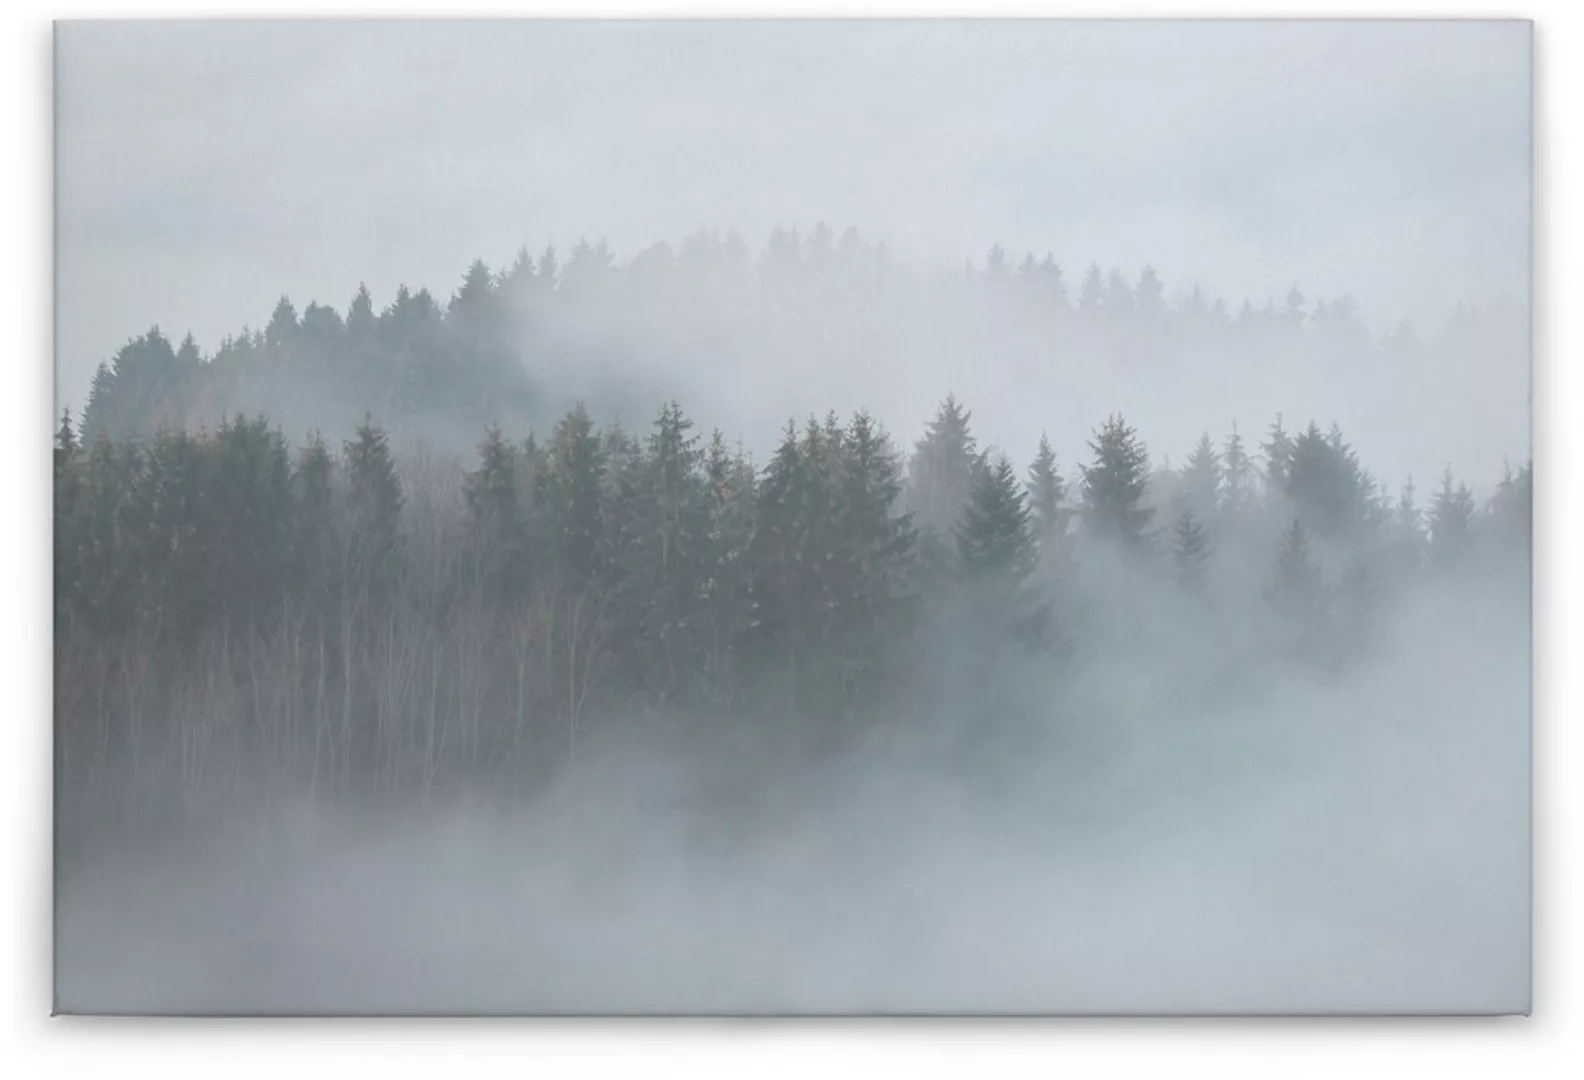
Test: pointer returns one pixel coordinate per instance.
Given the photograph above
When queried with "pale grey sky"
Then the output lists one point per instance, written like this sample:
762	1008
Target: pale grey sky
205	169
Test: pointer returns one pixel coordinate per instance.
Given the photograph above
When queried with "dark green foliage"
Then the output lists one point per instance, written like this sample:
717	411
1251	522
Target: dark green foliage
1199	482
1047	495
223	603
996	545
374	506
1114	485
941	472
498	519
574	498
665	558
1325	485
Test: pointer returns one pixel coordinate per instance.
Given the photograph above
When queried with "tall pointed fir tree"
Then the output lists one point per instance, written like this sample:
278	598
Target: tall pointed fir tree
574	497
1405	546
940	476
1199	482
787	601
726	590
371	550
1451	522
877	593
1047	495
1114	486
663	560
1278	451
1237	495
998	552
497	521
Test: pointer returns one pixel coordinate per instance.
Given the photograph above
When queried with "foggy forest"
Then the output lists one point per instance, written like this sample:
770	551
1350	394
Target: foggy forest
796	706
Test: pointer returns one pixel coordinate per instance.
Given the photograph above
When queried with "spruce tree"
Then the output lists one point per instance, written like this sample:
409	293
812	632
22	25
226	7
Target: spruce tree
1047	494
1199	481
68	543
574	495
877	591
1237	490
312	508
998	552
1451	520
374	501
1512	508
1278	451
726	589
497	519
1114	486
1406	543
785	588
940	476
663	559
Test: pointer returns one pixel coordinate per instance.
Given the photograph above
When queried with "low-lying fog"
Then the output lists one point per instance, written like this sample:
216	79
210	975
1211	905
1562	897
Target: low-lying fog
1317	846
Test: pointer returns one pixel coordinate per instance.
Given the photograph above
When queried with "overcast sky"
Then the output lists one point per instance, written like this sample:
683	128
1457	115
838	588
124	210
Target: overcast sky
205	169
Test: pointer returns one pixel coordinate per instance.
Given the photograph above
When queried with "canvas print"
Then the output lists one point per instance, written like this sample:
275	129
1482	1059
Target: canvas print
791	518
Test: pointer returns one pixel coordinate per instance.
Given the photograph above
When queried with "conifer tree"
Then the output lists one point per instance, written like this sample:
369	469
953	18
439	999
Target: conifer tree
998	552
876	591
371	549
1199	481
1237	490
1150	294
281	331
1047	495
1512	507
1278	451
312	507
1093	293
1451	519
726	589
1049	277
664	559
497	519
785	598
574	481
68	487
941	472
1114	485
1406	542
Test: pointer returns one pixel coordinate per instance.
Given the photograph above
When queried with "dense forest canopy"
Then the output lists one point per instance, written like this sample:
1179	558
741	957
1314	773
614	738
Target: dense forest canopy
331	618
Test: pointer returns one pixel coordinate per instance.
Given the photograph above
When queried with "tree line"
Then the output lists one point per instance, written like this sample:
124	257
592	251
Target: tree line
495	350
237	614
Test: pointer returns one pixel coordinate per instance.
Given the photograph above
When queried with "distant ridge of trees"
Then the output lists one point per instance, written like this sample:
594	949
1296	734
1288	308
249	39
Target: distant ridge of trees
492	351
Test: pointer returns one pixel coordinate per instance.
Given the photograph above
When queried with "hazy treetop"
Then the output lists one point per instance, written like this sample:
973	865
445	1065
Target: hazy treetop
204	166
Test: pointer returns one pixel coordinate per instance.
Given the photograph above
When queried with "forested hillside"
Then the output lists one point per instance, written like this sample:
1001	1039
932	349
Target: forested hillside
241	618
